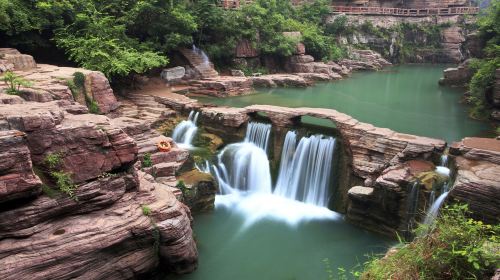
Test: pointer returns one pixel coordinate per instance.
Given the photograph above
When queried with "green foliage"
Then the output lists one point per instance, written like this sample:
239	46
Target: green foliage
53	160
14	82
147	161
64	183
457	247
79	79
93	106
146	211
481	84
96	42
180	185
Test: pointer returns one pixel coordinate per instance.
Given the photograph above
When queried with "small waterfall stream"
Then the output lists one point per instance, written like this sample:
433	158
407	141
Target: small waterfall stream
433	210
305	170
204	56
185	131
258	133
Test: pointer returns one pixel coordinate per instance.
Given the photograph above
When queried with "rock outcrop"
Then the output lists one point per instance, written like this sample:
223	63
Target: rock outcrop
101	217
459	76
50	82
17	179
477	181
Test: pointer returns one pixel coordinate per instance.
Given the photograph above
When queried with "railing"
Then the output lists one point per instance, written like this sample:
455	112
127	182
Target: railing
404	12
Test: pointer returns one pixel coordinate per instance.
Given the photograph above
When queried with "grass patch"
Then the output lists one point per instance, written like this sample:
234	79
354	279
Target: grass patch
53	160
146	211
147	161
456	247
64	183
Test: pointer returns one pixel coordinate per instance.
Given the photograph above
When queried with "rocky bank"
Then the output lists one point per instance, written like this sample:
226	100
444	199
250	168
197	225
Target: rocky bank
75	200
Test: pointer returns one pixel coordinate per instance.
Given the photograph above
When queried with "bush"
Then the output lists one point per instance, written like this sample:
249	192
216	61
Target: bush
147	161
14	82
146	211
79	79
93	107
53	160
180	185
457	247
64	183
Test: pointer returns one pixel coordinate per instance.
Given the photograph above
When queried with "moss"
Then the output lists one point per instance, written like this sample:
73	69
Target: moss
50	192
53	160
146	160
430	179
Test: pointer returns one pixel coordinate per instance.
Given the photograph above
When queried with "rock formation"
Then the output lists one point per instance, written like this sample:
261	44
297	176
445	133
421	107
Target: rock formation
477	182
90	212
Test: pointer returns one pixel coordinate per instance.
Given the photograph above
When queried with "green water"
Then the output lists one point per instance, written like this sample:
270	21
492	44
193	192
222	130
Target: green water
277	247
404	98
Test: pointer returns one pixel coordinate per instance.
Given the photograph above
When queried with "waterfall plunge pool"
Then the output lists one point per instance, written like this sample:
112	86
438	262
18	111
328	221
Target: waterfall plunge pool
404	98
267	237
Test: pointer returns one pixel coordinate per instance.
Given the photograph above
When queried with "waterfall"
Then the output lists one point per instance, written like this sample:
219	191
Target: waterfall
444	161
201	53
258	133
433	212
185	131
305	170
244	166
432	197
412	205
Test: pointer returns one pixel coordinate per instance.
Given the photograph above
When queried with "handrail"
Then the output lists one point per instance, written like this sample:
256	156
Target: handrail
404	12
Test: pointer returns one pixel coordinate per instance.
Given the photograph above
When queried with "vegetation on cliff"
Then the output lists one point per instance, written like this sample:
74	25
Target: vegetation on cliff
481	84
120	37
456	247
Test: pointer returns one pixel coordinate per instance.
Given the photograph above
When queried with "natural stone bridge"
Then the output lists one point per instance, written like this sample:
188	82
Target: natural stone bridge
372	149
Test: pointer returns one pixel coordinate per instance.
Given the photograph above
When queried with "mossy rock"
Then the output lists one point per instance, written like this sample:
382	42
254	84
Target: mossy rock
210	141
168	126
430	179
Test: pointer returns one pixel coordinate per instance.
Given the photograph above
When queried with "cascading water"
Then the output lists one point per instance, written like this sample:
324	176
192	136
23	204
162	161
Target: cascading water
258	133
244	166
433	211
201	53
305	170
185	131
412	206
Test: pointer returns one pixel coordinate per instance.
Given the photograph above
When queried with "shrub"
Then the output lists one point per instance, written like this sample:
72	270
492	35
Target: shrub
50	192
457	247
146	211
14	82
64	183
93	107
181	185
53	160
79	79
147	161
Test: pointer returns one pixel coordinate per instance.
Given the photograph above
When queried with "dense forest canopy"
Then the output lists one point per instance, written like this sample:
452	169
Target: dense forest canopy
131	36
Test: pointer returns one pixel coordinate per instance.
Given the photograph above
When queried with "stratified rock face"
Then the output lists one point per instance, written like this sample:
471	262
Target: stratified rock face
478	177
365	60
87	144
107	242
120	224
97	86
17	179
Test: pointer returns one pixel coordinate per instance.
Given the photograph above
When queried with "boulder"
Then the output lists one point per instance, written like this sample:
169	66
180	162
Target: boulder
199	190
174	74
18	60
97	86
237	73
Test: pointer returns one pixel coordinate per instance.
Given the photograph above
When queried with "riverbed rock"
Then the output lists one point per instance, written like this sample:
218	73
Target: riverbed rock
280	80
199	190
222	86
98	88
